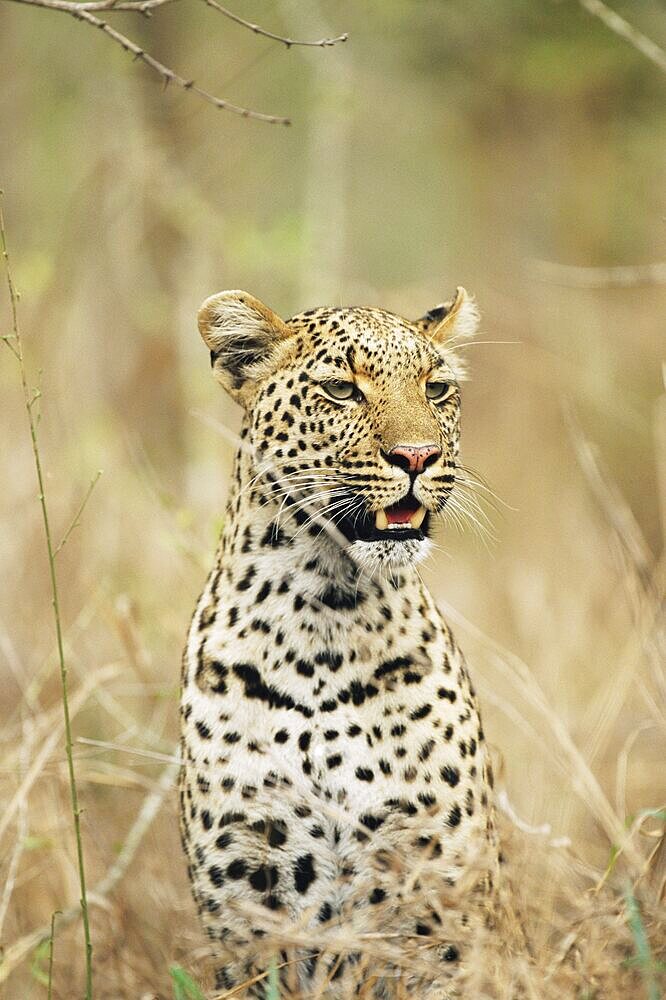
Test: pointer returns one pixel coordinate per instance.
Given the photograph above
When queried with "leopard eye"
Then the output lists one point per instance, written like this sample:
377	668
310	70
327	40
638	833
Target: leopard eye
339	390
438	391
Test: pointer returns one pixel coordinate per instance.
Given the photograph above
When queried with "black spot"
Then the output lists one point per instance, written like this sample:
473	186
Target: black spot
421	713
451	953
426	750
304	873
454	816
304	668
264	878
372	822
331	660
399	663
304	740
446	693
215	875
377	895
364	774
264	591
206	819
273	536
424	930
340	600
231	817
223	841
203	730
281	736
325	913
276	833
259	625
334	761
451	775
246	581
256	687
236	869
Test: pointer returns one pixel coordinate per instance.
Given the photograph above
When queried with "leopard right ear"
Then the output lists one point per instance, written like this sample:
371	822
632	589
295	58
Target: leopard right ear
241	334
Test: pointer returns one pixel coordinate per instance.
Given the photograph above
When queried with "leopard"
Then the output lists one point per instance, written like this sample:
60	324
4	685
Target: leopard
336	788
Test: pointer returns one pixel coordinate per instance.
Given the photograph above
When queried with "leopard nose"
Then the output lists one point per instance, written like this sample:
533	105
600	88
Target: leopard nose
413	458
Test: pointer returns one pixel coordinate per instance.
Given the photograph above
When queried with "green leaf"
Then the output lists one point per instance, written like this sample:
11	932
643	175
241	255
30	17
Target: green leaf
40	958
184	987
643	959
273	982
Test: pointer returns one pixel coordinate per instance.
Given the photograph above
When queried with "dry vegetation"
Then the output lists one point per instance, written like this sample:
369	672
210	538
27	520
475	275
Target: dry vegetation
460	144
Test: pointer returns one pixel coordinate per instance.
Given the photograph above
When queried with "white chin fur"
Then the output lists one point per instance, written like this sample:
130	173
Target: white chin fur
372	555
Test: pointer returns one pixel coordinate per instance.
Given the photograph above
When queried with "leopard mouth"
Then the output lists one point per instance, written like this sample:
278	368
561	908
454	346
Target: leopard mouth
407	513
407	519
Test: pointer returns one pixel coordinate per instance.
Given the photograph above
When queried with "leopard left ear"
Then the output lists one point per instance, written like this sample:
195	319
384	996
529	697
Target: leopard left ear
457	319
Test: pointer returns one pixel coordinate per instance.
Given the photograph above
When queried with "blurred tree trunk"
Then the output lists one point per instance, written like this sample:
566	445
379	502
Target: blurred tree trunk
330	125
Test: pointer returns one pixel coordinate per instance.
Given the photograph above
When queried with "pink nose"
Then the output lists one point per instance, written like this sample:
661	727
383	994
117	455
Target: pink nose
413	458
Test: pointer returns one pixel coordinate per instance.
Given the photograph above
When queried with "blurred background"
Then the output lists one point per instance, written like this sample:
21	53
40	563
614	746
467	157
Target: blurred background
515	148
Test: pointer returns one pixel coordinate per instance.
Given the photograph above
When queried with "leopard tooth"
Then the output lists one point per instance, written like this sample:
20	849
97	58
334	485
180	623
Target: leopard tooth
381	520
416	520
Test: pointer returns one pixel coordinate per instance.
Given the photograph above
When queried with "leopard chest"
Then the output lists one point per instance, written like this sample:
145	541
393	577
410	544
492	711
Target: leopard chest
377	727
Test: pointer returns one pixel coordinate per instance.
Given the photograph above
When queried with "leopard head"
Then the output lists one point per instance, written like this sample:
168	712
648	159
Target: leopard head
353	412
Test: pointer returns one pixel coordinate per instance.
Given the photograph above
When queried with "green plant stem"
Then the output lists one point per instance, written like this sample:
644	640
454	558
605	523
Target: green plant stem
51	947
15	345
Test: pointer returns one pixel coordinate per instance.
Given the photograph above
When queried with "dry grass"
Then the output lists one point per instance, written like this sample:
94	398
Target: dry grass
130	209
582	909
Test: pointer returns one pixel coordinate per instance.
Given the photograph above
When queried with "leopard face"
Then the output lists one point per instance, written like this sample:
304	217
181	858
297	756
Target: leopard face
354	413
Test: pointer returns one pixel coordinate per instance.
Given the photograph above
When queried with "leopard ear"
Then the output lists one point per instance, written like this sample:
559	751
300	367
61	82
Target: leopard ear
241	333
450	321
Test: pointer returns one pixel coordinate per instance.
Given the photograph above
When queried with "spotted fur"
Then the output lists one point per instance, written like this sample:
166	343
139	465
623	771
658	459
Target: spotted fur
335	761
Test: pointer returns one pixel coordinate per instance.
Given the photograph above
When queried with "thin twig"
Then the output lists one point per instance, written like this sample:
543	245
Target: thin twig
167	75
164	758
75	521
620	27
321	43
51	947
70	6
140	6
32	423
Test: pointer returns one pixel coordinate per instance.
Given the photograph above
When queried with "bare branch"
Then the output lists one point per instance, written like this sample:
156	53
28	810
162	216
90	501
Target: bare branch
168	75
627	31
624	276
70	6
75	521
258	30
